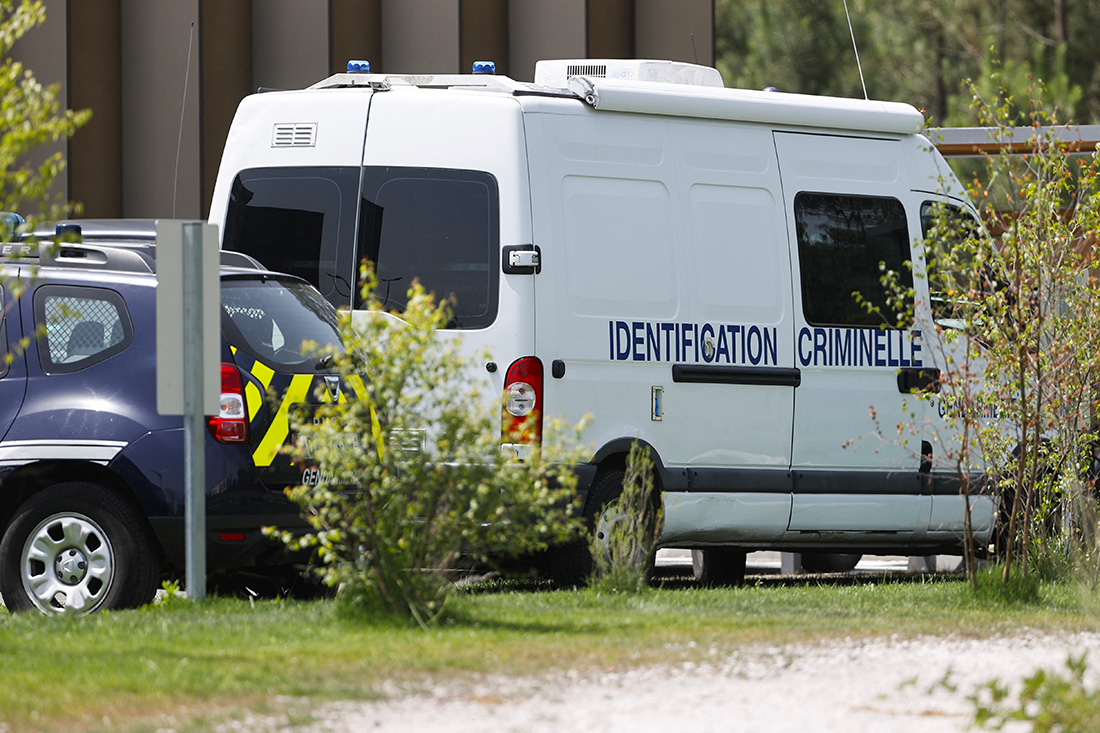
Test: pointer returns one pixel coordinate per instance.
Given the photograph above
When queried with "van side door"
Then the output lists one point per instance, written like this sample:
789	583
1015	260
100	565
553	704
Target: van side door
856	456
665	296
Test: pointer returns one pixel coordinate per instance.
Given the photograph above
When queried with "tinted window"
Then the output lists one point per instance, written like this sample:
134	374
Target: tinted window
951	226
81	326
437	226
272	319
300	221
844	243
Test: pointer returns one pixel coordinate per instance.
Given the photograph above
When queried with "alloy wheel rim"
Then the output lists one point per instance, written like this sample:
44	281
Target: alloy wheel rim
67	564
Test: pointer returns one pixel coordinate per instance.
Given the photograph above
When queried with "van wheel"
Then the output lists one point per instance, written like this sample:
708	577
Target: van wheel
606	512
570	565
830	562
77	548
719	566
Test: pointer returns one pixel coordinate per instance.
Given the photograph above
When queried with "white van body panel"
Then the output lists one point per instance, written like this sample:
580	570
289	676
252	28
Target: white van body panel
476	131
650	238
702	518
338	121
848	406
668	299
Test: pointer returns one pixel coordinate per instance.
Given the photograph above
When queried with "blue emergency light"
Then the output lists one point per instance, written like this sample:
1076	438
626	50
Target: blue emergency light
357	66
485	67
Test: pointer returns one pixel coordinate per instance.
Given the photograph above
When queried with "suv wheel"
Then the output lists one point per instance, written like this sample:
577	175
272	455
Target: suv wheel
77	548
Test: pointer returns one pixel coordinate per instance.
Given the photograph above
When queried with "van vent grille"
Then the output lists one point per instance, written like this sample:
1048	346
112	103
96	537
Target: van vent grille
596	70
294	135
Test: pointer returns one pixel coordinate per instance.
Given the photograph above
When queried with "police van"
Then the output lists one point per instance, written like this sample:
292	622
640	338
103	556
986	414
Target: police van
632	241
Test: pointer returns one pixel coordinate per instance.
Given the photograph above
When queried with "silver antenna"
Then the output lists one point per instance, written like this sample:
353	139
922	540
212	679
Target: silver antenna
179	140
856	49
693	51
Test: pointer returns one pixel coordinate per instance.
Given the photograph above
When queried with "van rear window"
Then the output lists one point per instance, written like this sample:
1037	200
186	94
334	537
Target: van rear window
438	226
300	221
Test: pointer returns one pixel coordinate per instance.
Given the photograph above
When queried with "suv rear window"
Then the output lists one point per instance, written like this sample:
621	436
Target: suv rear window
271	319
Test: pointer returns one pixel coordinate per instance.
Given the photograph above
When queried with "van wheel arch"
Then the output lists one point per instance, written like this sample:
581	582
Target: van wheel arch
612	456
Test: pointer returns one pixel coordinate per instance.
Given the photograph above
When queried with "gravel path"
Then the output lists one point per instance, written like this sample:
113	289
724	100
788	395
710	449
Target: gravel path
880	684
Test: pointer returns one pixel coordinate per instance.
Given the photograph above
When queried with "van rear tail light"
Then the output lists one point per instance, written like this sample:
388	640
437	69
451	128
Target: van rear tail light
230	425
522	415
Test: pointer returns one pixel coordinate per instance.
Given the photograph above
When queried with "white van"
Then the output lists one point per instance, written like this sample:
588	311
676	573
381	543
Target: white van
640	244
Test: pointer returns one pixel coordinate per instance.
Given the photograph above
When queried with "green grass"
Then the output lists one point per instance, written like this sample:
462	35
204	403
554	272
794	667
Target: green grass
194	664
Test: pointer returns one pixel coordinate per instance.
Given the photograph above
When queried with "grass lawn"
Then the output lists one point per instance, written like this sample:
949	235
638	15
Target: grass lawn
194	664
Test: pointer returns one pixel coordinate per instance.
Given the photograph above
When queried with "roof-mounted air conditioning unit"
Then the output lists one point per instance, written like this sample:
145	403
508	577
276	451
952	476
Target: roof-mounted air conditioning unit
556	73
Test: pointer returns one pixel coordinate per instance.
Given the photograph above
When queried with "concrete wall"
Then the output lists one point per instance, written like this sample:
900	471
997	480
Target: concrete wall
155	48
539	30
127	60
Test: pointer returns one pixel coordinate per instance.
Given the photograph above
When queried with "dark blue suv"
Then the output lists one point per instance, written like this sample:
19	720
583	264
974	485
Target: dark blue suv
91	477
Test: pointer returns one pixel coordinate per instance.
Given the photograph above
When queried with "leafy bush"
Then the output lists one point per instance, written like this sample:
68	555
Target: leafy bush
1048	701
415	485
624	539
32	116
1016	301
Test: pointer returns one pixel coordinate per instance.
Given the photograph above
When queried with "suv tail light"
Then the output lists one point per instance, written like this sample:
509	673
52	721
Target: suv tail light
522	415
230	425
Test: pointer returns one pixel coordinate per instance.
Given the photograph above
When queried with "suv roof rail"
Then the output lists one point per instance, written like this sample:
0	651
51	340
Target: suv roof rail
122	257
240	259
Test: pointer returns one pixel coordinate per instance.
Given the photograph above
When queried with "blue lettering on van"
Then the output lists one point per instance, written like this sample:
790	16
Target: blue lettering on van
710	343
858	347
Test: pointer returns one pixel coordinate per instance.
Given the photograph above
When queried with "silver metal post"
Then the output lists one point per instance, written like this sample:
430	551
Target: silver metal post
193	419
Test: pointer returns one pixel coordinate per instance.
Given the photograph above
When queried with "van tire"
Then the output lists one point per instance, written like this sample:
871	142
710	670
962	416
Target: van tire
719	566
830	562
569	565
88	532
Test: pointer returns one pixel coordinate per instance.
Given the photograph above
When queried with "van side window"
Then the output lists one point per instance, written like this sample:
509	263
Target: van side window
440	227
82	326
298	220
950	226
843	244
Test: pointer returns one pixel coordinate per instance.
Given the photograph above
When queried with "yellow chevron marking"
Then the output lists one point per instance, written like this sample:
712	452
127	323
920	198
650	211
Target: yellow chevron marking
357	386
253	399
262	372
280	424
377	430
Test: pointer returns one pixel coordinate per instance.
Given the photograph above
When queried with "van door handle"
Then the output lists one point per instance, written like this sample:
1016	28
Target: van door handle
916	379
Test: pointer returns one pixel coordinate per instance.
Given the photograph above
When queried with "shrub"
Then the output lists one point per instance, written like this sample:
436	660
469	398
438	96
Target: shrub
415	484
626	529
1016	300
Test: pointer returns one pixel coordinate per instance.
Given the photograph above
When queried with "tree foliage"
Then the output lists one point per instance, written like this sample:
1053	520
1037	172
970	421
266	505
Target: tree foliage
915	51
1022	305
416	485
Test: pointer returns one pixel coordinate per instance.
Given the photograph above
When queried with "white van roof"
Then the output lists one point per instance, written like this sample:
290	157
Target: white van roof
663	88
